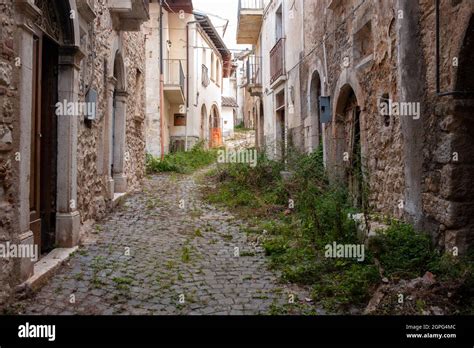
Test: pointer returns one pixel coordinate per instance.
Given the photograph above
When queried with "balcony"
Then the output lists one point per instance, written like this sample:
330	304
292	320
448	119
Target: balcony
277	61
254	75
173	81
250	19
129	15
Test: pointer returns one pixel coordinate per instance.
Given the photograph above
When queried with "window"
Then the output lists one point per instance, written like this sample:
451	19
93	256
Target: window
363	42
218	72
179	120
213	68
385	103
204	60
278	24
205	76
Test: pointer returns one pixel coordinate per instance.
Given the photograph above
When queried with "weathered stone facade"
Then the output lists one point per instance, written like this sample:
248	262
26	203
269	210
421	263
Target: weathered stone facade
343	66
100	49
9	220
387	49
447	194
92	191
385	128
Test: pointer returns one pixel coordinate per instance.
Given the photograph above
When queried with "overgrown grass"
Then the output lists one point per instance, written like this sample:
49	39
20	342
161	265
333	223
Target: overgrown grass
241	128
299	216
403	252
182	162
294	235
247	188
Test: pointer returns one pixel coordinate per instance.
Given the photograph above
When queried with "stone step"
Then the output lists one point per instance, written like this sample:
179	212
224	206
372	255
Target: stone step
44	269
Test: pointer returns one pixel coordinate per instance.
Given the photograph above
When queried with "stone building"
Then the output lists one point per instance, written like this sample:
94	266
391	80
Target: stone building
391	111
376	61
211	63
250	19
71	97
350	59
275	29
250	75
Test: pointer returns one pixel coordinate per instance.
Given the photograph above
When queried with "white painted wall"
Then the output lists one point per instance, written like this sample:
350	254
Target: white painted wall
174	30
229	90
227	122
201	49
240	93
292	31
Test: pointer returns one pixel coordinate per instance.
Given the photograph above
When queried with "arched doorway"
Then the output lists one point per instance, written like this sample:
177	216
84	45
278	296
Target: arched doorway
203	132
464	80
348	150
261	127
314	94
215	128
458	173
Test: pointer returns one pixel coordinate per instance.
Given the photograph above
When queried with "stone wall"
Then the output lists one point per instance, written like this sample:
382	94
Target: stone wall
447	190
9	135
427	161
99	43
92	191
371	71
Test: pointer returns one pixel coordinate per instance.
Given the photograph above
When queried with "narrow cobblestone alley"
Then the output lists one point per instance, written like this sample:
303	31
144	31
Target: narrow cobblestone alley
172	252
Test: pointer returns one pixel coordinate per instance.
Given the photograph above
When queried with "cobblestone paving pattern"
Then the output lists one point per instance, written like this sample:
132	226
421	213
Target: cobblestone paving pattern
152	256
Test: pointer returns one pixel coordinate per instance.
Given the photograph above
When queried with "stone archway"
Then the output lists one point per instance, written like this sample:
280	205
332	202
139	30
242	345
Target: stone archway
347	143
464	80
457	172
261	126
314	132
215	128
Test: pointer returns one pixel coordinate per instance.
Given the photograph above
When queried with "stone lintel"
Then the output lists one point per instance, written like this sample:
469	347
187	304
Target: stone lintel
71	55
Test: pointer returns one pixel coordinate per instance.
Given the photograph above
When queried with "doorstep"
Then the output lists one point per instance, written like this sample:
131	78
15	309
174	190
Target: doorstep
45	268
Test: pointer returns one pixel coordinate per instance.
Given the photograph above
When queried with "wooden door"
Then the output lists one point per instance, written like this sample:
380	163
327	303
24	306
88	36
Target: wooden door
44	143
49	138
35	160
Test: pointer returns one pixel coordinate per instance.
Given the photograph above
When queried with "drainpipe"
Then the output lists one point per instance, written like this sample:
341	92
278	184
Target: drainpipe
324	85
437	49
187	90
187	85
162	82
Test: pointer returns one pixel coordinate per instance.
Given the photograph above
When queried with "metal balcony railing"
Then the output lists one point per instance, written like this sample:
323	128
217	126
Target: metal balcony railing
277	60
173	73
254	70
251	5
205	76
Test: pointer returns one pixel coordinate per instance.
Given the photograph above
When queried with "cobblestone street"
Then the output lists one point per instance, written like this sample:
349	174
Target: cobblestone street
152	256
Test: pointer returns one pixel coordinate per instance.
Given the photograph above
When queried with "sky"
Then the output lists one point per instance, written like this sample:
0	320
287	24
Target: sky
226	9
